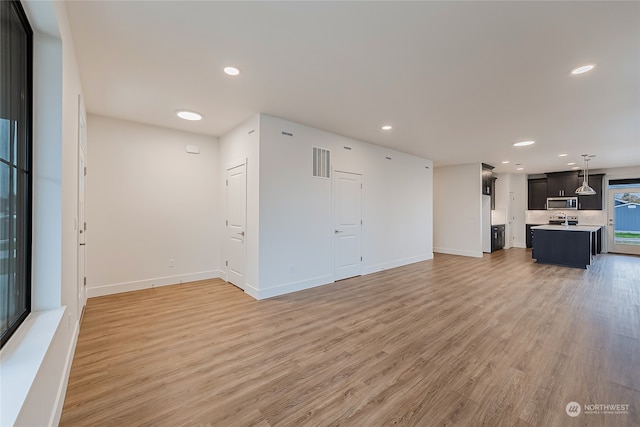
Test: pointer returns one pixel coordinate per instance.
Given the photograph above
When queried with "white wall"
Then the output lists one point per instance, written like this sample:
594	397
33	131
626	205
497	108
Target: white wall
457	210
295	208
149	201
243	145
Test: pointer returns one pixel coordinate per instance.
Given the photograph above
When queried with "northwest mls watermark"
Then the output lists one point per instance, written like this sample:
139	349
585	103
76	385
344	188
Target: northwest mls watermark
573	409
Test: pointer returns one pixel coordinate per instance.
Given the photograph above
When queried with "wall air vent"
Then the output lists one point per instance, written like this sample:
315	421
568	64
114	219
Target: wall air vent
321	163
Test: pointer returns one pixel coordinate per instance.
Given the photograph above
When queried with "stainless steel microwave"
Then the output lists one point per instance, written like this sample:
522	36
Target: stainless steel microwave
562	203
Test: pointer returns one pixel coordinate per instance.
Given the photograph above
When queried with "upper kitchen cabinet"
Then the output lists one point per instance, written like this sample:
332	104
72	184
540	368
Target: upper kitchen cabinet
562	184
592	202
537	194
487	178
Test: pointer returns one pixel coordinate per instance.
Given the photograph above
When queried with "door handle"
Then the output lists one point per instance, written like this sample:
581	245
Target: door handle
241	233
82	244
339	231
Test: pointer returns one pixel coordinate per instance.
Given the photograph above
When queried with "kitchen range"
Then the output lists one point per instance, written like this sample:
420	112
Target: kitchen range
564	242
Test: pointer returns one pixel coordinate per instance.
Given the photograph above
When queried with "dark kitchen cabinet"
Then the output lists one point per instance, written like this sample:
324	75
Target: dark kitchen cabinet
529	235
497	237
593	202
493	193
537	194
562	184
487	176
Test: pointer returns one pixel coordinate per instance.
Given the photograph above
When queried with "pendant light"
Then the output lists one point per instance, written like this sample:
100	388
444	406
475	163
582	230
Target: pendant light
584	189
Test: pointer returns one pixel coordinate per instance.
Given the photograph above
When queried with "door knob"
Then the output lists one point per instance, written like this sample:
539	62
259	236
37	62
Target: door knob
241	233
338	231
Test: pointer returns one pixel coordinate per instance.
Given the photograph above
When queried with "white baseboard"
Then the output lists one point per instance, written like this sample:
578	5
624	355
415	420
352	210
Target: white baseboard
117	288
396	263
521	245
475	254
251	291
292	287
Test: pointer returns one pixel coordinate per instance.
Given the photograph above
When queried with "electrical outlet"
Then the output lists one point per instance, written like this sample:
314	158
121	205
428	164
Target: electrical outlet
292	269
172	263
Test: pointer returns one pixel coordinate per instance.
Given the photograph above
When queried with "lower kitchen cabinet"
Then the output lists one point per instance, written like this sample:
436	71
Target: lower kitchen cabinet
497	237
528	236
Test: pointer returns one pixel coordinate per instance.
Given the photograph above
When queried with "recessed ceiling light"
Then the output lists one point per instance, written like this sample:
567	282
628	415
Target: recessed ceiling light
387	127
232	71
505	162
523	143
571	163
583	69
520	169
562	155
188	115
576	167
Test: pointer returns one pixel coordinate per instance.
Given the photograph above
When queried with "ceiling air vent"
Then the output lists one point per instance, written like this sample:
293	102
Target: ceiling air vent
321	163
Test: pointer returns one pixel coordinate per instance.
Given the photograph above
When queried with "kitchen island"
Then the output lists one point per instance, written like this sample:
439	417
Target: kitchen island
566	245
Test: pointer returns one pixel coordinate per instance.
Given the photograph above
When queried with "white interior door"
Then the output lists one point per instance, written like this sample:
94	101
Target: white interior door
623	225
82	223
347	221
236	224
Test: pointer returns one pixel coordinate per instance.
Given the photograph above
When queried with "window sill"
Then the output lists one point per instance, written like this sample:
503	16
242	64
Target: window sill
21	358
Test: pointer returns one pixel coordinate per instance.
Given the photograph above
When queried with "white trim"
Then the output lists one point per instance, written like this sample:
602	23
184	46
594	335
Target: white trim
238	162
292	287
54	420
117	288
21	359
251	291
475	254
396	263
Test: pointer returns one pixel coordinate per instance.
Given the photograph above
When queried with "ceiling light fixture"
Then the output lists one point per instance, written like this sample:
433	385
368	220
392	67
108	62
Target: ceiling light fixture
232	71
583	69
523	143
584	189
505	162
571	163
387	127
520	169
576	167
562	155
189	115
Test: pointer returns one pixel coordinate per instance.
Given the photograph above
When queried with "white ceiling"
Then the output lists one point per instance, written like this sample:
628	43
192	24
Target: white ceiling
459	81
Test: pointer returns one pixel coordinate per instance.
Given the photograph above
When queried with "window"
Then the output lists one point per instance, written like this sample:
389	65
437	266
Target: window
16	40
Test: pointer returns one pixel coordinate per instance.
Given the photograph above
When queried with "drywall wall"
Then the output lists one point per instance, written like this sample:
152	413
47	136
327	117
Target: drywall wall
296	228
241	145
457	210
152	209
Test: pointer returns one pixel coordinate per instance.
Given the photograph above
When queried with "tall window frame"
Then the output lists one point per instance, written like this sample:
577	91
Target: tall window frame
16	161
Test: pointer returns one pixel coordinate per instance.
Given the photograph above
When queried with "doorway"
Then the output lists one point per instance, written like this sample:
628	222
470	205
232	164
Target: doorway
236	184
623	224
347	221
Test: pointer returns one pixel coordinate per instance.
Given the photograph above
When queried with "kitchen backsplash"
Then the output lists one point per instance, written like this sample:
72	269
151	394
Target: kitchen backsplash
584	217
498	216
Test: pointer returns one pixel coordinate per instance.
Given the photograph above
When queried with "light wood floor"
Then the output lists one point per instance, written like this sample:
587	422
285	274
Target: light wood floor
451	341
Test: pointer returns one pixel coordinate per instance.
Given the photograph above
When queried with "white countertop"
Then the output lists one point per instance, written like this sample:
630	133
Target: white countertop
590	228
